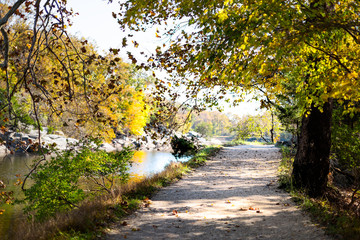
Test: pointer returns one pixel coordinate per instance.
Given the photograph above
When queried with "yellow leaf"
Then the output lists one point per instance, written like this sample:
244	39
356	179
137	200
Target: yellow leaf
222	15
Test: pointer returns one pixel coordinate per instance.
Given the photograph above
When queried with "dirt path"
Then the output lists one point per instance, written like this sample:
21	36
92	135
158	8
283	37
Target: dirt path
213	203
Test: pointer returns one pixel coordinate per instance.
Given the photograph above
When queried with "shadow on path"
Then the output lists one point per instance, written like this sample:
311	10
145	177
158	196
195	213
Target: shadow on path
213	202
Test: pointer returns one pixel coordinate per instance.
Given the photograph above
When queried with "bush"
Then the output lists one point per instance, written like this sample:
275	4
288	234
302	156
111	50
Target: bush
183	146
60	183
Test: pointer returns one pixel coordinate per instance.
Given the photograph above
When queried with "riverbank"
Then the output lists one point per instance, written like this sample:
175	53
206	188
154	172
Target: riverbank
234	196
28	142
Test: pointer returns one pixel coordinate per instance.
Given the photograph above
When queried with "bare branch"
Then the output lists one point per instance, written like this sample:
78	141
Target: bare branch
12	10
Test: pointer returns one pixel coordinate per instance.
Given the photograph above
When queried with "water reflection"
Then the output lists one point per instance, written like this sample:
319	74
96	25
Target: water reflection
11	167
147	163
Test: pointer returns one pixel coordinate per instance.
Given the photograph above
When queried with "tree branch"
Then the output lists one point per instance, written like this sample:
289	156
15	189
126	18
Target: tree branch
12	10
5	49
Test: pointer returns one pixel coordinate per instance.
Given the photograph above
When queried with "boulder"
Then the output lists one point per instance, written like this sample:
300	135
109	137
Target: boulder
61	133
61	142
54	136
3	150
107	147
33	136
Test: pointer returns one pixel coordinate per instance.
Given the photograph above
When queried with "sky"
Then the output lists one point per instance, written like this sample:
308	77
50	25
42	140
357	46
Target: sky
96	24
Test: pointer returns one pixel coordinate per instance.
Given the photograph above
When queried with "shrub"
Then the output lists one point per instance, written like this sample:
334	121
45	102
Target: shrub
183	146
60	183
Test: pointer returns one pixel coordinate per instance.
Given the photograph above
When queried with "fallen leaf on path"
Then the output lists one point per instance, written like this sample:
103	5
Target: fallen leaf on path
258	211
174	212
124	223
251	208
227	201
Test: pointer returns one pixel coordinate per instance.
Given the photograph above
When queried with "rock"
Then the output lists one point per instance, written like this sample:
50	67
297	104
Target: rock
33	136
19	135
107	147
53	136
3	150
61	133
25	138
62	143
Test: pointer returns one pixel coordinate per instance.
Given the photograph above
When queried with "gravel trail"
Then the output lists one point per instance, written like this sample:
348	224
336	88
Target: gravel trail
234	196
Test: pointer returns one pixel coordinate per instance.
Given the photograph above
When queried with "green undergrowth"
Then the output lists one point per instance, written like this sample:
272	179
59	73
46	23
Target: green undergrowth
91	219
326	211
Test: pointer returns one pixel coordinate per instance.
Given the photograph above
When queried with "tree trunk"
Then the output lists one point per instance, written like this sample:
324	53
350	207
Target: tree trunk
311	165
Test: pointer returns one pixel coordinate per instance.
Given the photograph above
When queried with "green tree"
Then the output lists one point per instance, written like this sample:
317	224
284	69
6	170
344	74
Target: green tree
264	125
204	128
216	122
240	46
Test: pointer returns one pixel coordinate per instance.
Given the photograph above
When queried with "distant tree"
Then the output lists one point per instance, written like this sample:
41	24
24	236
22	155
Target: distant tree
218	123
264	125
204	128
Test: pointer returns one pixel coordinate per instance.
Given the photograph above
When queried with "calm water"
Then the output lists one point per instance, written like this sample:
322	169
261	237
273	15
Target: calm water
145	163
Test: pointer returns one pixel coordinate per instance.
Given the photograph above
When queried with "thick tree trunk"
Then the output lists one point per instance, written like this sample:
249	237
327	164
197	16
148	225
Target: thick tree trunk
311	165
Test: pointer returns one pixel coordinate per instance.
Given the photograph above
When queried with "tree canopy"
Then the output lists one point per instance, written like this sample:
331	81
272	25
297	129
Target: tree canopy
50	78
266	45
299	52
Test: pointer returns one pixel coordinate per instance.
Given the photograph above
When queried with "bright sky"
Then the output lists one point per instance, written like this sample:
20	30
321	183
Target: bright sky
95	23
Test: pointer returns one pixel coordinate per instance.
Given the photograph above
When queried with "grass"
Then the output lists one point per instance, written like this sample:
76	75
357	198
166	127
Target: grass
333	217
93	216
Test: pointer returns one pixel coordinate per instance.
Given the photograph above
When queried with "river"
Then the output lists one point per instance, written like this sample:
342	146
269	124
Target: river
11	166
